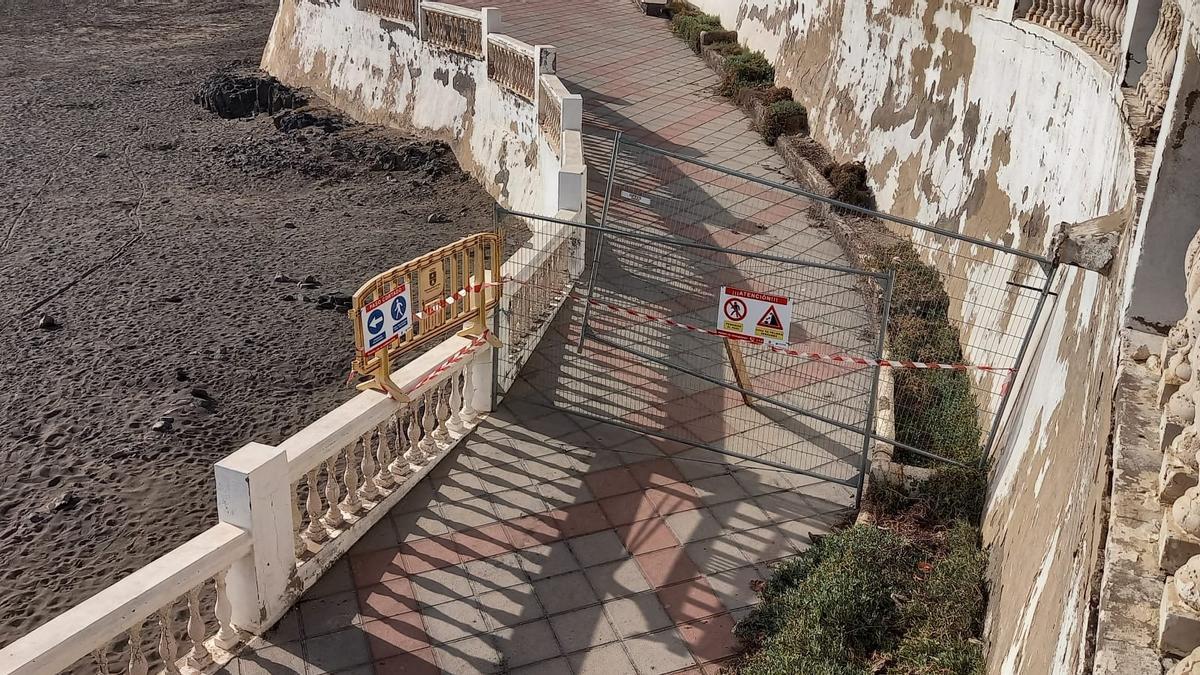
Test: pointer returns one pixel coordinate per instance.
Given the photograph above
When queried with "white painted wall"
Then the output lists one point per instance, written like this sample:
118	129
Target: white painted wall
380	72
1001	130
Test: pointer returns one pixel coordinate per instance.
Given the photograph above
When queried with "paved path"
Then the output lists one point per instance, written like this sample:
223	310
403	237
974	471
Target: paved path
550	543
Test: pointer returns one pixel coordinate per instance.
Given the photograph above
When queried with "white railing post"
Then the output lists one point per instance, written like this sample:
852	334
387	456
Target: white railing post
545	62
489	21
254	493
482	381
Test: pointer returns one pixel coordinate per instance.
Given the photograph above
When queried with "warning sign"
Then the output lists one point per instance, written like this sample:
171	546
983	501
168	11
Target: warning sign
385	318
759	316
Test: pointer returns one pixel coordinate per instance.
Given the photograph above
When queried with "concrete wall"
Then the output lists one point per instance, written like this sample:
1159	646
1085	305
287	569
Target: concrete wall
380	72
1001	130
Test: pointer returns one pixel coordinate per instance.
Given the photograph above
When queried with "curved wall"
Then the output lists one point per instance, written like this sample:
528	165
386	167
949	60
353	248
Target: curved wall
1001	130
380	72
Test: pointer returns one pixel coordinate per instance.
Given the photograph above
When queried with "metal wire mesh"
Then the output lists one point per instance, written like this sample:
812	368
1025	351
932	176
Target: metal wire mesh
958	299
678	384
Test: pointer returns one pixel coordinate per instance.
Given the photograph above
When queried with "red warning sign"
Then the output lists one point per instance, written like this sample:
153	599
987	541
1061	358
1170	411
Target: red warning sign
771	314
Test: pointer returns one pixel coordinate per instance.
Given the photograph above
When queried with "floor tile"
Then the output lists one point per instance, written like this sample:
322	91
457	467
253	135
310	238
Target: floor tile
661	652
418	524
512	504
695	525
738	516
484	542
502	571
627	508
674	498
546	560
611	482
441	585
718	489
432	553
564	592
389	598
647	535
656	472
582	628
597	548
328	614
555	666
453	620
763	544
690	600
735	588
526	643
333	652
395	635
607	660
665	567
475	655
710	639
617	579
509	606
532	530
637	614
338	578
716	555
419	662
284	659
581	519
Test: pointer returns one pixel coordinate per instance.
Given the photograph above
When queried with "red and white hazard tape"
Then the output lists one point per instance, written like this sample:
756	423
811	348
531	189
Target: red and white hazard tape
438	305
450	362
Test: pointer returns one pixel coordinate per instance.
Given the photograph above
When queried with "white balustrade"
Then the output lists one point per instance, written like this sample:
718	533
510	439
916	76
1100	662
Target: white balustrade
141	609
1096	24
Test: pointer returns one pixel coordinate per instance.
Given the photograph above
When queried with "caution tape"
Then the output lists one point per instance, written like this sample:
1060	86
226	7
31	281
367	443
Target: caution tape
438	305
841	359
449	362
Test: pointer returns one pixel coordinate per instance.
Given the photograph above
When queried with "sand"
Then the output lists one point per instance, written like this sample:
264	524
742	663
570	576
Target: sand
152	231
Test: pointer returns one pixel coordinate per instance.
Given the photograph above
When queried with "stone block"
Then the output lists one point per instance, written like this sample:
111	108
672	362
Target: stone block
1178	624
1174	478
1169	429
712	37
1175	546
1091	244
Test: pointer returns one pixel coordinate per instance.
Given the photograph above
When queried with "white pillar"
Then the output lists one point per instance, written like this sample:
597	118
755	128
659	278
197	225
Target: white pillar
481	376
490	21
254	493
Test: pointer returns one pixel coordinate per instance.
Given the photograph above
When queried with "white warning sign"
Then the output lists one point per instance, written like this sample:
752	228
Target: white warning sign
385	319
759	316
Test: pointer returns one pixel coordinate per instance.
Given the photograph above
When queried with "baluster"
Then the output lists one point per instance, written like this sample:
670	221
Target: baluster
315	532
198	657
455	423
428	444
227	635
137	660
369	491
442	410
100	656
384	477
399	466
469	415
333	494
414	455
166	640
301	547
351	504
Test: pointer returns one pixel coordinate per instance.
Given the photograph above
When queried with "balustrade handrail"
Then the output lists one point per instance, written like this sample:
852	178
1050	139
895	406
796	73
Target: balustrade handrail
315	443
100	619
453	10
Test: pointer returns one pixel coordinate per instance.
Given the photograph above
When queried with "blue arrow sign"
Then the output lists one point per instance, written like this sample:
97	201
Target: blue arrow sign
375	321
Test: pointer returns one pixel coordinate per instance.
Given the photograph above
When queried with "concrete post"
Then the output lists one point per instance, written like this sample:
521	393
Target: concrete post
253	493
483	379
490	20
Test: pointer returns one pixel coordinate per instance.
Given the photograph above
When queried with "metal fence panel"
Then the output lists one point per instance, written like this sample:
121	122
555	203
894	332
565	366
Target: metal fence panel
651	363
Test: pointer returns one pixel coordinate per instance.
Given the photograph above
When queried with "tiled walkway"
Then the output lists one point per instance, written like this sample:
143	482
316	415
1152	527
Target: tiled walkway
548	543
528	551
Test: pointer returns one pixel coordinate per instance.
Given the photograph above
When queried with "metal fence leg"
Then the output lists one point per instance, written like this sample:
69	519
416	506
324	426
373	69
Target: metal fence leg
864	464
986	455
587	303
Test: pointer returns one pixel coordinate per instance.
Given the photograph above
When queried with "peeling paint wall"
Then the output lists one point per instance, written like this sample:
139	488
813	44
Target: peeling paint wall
380	72
998	129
